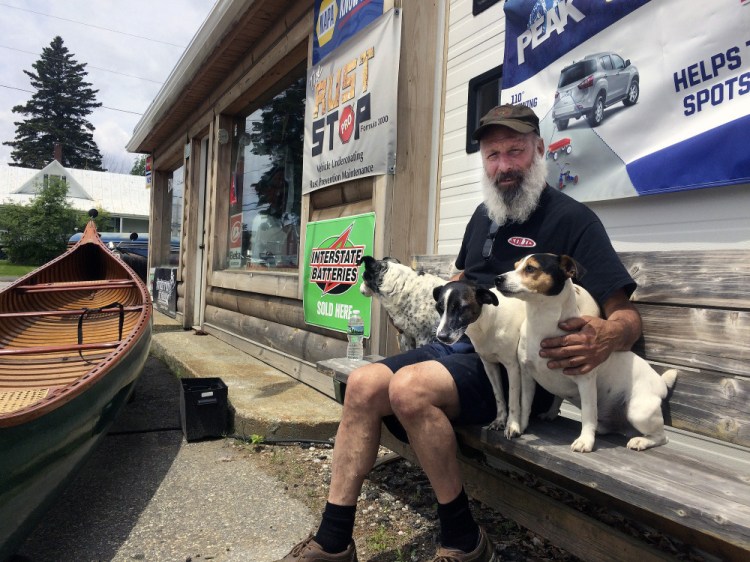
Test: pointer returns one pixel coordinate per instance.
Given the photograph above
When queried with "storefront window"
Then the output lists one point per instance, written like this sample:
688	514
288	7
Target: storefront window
266	188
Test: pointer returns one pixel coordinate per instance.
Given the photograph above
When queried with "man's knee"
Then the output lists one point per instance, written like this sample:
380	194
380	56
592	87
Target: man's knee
367	385
407	392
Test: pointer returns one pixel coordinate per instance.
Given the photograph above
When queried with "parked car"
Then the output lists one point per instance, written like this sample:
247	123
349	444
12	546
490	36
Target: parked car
589	85
132	248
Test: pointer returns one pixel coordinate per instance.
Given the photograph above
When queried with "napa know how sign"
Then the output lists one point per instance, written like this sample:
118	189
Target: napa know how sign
350	108
332	274
635	97
336	21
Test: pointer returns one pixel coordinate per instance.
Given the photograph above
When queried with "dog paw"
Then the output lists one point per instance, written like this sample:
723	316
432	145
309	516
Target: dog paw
582	445
640	443
497	425
512	430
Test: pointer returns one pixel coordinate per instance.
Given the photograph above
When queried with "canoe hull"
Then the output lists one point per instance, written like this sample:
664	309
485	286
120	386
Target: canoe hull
36	470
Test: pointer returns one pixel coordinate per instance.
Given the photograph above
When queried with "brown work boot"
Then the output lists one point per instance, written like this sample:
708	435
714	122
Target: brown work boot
484	552
310	551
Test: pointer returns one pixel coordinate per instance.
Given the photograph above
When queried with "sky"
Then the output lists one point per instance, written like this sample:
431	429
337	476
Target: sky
130	47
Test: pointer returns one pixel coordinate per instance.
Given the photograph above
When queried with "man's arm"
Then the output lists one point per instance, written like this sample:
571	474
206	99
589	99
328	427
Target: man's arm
592	340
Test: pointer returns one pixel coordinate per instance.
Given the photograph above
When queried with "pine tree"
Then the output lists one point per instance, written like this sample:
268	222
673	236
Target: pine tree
56	113
139	166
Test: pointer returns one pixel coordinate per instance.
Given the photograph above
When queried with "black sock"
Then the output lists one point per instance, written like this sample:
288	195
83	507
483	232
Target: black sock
457	527
336	527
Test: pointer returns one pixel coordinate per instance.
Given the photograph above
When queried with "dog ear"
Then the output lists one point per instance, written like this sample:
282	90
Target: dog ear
572	268
367	260
436	292
485	296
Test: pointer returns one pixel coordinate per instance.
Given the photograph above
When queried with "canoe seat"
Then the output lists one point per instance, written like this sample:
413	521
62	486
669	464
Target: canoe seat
71	312
77	286
14	400
57	348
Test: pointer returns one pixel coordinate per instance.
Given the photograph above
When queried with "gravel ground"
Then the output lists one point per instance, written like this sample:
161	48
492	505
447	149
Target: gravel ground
396	512
396	517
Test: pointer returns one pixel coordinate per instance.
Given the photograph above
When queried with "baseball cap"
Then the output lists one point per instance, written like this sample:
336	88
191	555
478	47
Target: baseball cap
517	117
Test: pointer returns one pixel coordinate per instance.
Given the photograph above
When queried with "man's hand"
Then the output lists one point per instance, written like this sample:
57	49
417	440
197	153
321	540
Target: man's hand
589	342
592	340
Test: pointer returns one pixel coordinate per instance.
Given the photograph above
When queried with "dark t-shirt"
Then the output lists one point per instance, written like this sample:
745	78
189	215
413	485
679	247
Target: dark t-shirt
559	225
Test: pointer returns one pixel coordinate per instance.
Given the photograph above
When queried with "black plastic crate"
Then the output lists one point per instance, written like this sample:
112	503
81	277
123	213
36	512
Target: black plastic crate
204	411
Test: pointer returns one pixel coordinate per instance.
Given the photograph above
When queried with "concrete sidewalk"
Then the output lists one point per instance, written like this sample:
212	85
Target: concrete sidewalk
264	400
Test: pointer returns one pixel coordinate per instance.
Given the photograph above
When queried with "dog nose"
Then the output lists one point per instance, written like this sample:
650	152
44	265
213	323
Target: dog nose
499	280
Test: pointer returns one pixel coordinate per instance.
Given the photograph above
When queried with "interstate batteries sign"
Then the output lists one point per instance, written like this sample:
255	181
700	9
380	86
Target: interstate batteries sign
339	20
332	278
350	109
635	97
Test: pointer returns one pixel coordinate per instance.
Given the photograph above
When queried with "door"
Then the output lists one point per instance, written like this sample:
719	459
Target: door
200	258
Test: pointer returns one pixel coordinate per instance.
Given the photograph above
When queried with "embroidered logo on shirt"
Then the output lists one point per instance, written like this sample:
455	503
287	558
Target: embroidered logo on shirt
521	242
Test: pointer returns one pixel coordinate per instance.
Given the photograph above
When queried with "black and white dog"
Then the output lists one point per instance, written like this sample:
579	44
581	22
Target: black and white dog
406	295
493	324
622	393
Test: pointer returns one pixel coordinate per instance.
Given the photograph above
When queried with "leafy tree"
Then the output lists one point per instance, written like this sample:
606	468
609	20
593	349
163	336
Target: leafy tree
56	113
38	232
139	166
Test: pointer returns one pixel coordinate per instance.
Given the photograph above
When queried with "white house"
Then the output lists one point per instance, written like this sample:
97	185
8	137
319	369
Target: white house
123	196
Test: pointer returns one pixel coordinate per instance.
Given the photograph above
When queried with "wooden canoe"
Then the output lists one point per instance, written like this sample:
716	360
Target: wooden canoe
74	337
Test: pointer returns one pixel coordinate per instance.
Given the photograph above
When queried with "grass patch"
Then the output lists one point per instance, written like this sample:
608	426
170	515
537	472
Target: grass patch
8	269
381	540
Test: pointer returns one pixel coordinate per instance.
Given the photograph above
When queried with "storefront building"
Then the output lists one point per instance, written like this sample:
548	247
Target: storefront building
227	134
227	129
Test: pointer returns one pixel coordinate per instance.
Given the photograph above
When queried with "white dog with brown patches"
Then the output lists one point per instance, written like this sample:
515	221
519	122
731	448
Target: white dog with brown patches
622	393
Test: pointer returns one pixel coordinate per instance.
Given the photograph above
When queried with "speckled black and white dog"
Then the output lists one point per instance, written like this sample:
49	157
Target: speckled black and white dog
406	295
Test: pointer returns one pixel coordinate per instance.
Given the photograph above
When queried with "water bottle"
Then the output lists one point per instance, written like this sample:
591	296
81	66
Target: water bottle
355	333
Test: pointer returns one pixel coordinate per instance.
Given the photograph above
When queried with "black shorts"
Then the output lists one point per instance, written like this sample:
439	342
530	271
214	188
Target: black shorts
476	399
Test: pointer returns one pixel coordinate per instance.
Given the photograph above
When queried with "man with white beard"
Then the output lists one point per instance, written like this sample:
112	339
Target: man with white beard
422	393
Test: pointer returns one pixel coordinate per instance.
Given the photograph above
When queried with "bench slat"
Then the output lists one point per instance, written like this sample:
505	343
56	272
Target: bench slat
696	337
695	278
710	404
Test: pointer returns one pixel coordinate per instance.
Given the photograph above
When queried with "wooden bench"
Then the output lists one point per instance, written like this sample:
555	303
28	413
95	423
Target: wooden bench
695	491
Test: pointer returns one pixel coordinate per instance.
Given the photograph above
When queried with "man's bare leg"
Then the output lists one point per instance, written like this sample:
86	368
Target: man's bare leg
357	441
424	397
358	437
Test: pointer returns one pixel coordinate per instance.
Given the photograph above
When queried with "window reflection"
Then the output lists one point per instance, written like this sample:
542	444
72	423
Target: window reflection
265	194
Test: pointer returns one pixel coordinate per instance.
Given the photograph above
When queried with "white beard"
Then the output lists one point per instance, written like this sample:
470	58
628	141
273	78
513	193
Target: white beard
516	204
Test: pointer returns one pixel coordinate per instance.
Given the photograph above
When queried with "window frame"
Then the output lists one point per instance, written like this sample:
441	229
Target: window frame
472	119
479	6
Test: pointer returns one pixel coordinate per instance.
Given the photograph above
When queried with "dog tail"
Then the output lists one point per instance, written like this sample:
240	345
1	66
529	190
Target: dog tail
669	377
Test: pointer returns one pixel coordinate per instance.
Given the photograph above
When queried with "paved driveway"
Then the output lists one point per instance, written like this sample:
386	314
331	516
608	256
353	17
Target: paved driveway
146	494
